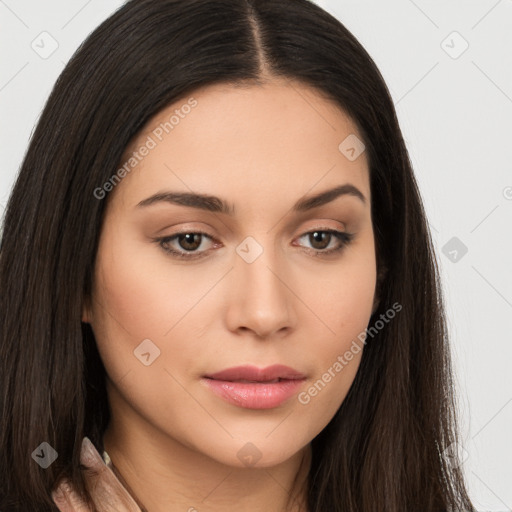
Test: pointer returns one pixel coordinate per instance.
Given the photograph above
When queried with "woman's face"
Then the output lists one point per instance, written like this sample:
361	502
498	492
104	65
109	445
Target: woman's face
258	288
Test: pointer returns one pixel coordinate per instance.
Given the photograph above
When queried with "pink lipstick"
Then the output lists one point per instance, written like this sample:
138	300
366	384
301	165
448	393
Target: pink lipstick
254	388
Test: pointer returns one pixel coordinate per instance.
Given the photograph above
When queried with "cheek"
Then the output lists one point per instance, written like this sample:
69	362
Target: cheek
137	312
131	303
343	295
138	287
336	357
344	304
140	295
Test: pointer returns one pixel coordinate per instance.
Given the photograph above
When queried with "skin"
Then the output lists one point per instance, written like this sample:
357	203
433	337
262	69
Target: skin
260	148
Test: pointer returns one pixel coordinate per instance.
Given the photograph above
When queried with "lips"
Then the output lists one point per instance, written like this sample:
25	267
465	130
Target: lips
248	373
250	387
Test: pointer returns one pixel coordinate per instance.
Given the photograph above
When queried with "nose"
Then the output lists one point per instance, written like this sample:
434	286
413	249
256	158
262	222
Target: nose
260	299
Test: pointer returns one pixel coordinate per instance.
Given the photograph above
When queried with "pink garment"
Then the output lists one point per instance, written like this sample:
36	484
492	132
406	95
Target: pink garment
108	493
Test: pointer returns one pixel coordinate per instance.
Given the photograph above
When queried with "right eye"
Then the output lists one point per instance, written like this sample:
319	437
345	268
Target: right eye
188	241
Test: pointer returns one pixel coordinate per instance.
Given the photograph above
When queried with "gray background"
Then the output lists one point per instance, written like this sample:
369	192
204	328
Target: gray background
455	109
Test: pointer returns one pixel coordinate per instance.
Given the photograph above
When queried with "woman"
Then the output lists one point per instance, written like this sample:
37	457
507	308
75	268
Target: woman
218	284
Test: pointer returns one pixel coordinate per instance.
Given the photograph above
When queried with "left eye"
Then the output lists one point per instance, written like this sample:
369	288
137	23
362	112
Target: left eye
189	242
321	236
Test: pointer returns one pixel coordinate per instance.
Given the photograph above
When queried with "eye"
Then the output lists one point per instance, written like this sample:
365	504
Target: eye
321	238
189	242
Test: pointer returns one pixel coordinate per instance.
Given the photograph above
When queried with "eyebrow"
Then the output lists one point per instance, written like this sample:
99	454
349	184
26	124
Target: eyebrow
218	205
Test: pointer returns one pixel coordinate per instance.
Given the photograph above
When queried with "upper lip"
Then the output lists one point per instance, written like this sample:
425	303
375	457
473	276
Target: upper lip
253	373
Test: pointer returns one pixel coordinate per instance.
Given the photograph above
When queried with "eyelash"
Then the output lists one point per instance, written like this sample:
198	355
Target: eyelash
344	238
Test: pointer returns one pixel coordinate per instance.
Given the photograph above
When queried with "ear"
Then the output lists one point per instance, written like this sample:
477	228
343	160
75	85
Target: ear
381	275
86	312
376	302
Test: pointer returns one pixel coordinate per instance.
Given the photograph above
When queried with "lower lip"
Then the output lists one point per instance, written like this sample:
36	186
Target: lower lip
252	395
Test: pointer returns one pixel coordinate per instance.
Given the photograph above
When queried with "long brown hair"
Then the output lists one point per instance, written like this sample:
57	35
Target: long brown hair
383	450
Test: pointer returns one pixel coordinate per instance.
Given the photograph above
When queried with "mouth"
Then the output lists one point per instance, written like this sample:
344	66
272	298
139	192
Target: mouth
255	381
253	388
248	373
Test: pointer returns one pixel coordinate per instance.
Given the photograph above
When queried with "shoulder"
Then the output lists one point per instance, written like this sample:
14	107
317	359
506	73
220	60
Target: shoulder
106	490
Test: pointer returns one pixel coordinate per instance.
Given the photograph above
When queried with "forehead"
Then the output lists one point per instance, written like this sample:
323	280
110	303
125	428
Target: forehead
251	141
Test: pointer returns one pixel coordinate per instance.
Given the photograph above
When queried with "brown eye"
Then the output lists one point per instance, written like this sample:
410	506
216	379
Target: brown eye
184	245
320	239
189	241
